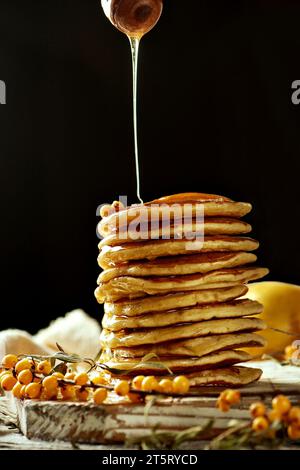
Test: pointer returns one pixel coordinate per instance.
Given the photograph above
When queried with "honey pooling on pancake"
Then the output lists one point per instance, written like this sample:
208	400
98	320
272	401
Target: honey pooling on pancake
176	298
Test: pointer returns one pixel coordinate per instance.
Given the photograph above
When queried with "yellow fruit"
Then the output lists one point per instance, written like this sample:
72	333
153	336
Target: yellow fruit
289	351
99	380
44	367
137	382
50	383
281	404
150	384
22	391
59	375
16	391
82	394
181	384
281	303
223	405
81	379
274	415
4	374
9	361
99	395
294	415
257	409
25	377
33	390
8	382
121	388
166	386
260	424
135	397
231	396
293	432
68	392
23	364
48	394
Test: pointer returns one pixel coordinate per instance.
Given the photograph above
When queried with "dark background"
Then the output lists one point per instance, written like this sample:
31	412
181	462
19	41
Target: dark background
215	115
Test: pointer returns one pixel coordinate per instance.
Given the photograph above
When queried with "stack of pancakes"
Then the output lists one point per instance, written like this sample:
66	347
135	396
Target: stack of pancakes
177	299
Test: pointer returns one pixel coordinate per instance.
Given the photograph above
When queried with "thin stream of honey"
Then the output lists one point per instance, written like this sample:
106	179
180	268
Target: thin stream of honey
134	45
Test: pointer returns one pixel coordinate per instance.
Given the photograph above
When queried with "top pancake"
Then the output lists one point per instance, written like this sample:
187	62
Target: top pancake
212	204
113	255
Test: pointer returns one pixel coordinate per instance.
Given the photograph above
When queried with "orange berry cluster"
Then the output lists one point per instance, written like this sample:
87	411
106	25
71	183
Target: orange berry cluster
227	398
282	412
28	378
179	385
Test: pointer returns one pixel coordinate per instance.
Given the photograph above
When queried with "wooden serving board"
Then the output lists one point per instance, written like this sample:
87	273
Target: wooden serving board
104	424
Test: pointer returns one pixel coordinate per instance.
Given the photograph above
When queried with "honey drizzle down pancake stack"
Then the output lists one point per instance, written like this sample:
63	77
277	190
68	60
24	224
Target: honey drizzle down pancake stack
179	300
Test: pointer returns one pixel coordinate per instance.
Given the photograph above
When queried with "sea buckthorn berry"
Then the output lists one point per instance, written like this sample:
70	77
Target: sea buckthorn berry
81	379
82	394
166	386
135	397
274	415
181	384
50	383
68	392
293	432
22	391
23	364
49	394
33	390
257	409
281	403
222	405
16	390
149	384
260	424
9	361
137	382
8	382
44	367
121	388
99	395
59	375
25	377
70	376
232	396
4	374
294	415
99	380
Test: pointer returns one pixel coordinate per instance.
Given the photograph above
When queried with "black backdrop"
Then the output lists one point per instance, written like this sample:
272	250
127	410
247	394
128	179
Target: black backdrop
215	115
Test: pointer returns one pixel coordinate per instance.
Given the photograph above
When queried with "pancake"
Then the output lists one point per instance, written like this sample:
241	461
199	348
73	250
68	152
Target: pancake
127	286
213	205
177	365
228	377
195	347
158	303
179	265
237	308
128	338
181	229
114	255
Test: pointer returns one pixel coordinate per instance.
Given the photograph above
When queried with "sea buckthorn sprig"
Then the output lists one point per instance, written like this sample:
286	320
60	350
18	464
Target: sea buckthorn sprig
282	420
39	377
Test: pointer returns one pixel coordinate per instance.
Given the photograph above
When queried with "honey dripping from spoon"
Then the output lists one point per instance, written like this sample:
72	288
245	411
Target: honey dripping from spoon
134	18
